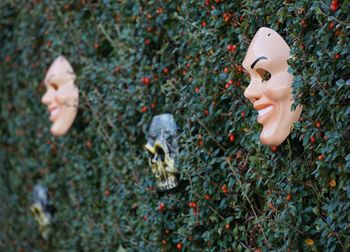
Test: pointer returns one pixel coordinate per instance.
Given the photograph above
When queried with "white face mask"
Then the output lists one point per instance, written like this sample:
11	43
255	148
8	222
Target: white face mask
270	88
62	96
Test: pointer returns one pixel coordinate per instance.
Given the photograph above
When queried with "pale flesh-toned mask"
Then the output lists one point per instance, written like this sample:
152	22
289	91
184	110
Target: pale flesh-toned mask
162	148
270	87
62	96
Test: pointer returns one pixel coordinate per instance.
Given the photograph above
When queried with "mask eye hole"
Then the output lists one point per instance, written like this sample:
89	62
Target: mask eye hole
265	75
54	86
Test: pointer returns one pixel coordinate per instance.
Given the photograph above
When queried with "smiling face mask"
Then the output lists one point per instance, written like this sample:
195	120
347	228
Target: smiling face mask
62	96
270	87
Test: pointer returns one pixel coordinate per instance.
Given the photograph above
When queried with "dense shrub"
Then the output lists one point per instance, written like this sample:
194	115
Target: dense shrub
243	195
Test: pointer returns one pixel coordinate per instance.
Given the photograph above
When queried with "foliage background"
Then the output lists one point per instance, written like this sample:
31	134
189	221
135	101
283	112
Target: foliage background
247	197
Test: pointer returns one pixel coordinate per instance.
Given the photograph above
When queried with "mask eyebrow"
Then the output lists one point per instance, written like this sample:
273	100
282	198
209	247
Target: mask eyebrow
256	61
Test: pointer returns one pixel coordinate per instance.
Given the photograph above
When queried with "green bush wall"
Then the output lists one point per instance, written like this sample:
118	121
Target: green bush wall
248	197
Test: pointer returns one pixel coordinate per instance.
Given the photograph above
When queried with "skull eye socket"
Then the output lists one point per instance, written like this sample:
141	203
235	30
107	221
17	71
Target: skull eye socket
160	152
265	75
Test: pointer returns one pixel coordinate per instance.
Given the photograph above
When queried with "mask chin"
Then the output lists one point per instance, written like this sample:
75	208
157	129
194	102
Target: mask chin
275	132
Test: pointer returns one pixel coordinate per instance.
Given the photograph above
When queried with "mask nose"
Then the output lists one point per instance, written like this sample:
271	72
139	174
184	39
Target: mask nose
253	92
48	97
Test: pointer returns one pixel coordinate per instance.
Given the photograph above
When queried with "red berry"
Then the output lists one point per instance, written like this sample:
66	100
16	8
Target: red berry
224	189
239	69
145	217
200	141
117	69
145	81
227	85
230	82
163	242
166	70
153	105
196	89
147	41
288	197
96	45
88	144
7	58
334	5
179	246
273	149
207	197
192	204
206	112
227	226
312	139
303	23
206	2
318	125
231	48
238	84
337	56
161	206
107	192
243	114
227	17
331	25
144	109
321	157
231	137
226	70
204	24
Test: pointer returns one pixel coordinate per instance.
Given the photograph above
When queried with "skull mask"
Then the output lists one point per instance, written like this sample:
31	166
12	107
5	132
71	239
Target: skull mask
41	209
162	146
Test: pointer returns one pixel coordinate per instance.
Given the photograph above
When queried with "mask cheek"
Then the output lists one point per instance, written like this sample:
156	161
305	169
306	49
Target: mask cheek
65	118
67	94
279	87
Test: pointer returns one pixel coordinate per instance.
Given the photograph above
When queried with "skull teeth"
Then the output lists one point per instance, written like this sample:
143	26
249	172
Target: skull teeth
168	184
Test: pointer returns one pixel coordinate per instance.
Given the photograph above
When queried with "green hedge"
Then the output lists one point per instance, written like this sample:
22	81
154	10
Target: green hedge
247	197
